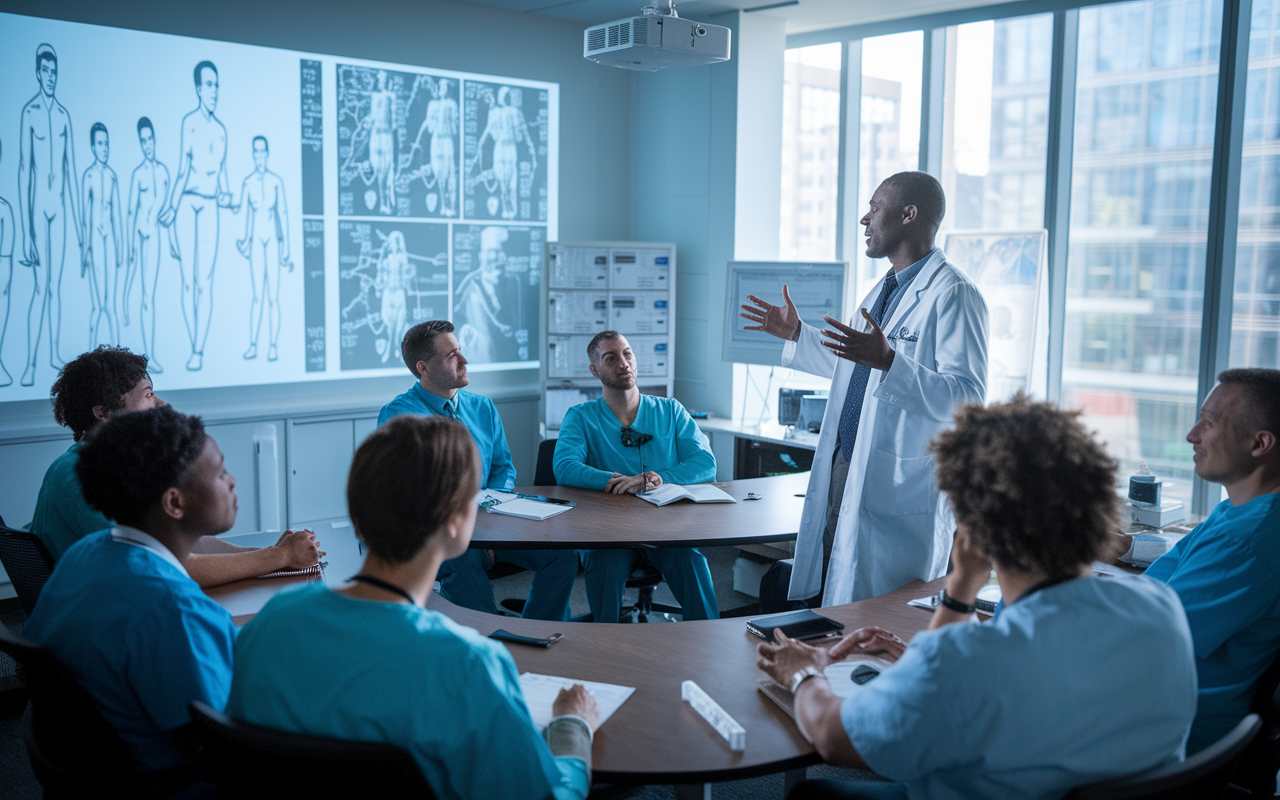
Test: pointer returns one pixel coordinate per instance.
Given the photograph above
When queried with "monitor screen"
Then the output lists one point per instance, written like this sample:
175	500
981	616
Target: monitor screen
817	288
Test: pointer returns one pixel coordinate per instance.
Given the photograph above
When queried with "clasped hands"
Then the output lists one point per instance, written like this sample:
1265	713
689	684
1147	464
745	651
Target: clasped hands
788	656
631	484
870	348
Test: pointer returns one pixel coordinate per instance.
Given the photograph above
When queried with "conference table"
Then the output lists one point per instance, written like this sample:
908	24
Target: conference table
655	737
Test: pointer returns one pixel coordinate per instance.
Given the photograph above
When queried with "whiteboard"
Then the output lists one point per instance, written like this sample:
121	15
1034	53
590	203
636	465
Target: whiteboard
817	288
297	212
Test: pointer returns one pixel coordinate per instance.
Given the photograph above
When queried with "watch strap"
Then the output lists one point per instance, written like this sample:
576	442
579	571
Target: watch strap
947	601
803	675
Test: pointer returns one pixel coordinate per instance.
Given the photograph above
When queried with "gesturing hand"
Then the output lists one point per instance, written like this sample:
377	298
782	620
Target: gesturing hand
781	321
870	349
871	640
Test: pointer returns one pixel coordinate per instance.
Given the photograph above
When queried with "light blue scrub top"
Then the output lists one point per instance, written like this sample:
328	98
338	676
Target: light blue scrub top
1227	575
1077	682
62	516
590	449
480	416
140	637
314	661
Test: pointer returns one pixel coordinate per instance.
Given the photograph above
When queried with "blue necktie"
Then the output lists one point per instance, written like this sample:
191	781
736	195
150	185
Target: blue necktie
451	407
852	410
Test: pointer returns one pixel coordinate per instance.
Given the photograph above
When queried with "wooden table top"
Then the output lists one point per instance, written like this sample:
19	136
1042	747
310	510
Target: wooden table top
655	738
603	520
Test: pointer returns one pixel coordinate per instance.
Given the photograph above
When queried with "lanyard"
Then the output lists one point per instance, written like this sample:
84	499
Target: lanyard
381	584
1044	584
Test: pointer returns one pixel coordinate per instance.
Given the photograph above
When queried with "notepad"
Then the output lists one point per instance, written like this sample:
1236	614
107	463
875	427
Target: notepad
699	493
540	692
515	506
314	569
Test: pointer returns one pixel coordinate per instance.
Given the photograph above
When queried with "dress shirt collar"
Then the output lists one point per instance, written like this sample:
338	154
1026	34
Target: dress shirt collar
438	404
907	275
137	538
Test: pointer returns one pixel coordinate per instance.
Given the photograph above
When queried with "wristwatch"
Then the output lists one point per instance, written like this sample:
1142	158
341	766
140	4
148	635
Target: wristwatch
960	607
803	675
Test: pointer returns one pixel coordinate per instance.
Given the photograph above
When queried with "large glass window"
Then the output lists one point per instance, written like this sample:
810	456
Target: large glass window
889	141
996	123
810	153
1255	319
1145	100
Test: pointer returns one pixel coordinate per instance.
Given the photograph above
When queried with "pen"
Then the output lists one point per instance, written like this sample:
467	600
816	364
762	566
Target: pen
542	499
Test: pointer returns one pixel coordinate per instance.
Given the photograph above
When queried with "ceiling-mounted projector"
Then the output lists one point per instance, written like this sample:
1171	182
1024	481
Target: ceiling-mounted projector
655	41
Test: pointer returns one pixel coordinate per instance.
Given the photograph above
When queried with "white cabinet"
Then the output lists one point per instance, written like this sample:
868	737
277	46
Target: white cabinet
319	458
254	453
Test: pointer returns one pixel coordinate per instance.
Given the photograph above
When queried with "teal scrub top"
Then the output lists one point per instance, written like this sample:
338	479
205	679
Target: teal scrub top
1227	574
62	516
316	662
590	448
480	416
1078	682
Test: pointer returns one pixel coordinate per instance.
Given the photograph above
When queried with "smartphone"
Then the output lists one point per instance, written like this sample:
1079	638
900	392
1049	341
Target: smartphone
508	636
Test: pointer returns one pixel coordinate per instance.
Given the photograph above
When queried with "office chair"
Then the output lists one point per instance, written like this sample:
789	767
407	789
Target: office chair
74	751
1204	776
1261	760
644	576
252	761
28	563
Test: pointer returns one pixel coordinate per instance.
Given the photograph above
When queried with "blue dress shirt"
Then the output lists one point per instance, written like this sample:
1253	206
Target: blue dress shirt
480	416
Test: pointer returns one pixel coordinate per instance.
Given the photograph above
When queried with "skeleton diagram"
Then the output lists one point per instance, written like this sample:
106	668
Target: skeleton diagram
506	126
265	244
390	275
441	122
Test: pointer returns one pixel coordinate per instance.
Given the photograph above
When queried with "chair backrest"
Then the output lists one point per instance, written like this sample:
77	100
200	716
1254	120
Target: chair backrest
545	474
71	744
1203	776
1261	760
28	563
252	761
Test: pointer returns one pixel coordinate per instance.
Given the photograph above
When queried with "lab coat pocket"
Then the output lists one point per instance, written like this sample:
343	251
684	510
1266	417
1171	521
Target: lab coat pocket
899	486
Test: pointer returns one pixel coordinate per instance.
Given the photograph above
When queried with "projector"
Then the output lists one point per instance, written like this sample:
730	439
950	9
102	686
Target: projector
654	42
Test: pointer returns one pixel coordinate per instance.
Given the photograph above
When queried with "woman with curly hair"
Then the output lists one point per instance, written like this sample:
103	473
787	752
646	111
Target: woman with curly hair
1024	705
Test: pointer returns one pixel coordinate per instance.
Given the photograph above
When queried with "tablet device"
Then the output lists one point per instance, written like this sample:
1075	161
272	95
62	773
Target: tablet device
803	624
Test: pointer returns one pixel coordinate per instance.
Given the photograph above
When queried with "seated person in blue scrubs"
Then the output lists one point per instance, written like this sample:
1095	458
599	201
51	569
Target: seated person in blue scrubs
627	442
433	355
1225	571
368	662
1026	705
120	609
91	388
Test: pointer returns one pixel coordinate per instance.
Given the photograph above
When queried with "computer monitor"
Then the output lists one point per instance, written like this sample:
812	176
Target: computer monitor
816	287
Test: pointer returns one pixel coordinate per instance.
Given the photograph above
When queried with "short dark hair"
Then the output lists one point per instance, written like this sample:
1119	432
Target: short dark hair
45	53
419	342
408	479
922	190
593	346
200	68
144	122
1263	386
1033	487
93	133
99	377
260	138
129	462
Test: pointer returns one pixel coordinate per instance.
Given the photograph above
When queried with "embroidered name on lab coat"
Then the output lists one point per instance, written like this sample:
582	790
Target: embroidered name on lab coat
905	335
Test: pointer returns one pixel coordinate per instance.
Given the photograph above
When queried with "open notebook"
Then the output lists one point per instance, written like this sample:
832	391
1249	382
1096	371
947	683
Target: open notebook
514	505
698	493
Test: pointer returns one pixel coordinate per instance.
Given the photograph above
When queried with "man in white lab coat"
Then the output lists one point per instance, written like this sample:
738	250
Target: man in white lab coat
915	351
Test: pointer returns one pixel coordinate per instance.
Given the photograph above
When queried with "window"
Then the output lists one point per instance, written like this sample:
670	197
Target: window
810	146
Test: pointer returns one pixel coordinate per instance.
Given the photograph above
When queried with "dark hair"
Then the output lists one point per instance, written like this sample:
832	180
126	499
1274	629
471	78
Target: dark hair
419	342
922	190
45	55
99	377
593	346
1034	489
143	122
1263	386
408	479
93	133
263	139
129	462
200	68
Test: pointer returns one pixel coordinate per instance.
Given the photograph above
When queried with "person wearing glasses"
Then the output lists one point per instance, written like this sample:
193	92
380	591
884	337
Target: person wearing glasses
627	442
433	355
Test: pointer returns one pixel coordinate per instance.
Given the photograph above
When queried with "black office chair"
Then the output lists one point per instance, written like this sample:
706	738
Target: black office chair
74	751
1204	776
644	576
1261	760
28	563
250	761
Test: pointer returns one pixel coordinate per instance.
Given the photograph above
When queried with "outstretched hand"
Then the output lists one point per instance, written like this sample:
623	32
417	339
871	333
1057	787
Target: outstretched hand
869	349
781	321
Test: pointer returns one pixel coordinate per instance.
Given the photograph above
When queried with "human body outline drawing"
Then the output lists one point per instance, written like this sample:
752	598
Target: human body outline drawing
200	188
100	216
8	235
507	127
148	196
265	245
47	192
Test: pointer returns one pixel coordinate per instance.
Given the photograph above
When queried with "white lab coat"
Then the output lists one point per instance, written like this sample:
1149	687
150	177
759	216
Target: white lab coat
894	524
